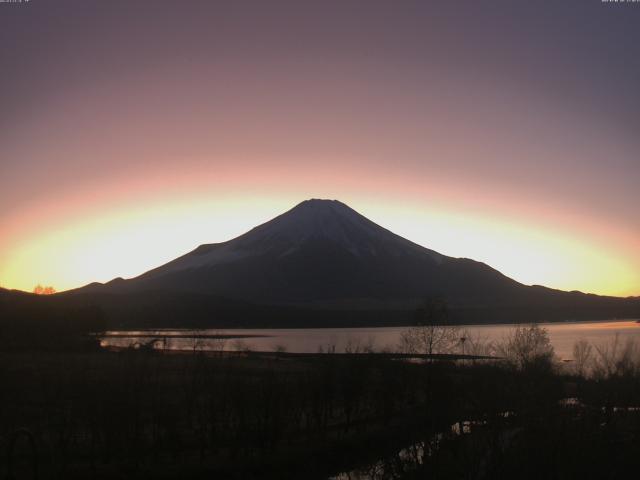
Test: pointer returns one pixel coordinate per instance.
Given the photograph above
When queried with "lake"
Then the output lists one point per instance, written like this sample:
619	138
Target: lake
310	340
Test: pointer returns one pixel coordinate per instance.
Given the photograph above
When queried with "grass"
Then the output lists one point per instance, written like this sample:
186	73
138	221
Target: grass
140	414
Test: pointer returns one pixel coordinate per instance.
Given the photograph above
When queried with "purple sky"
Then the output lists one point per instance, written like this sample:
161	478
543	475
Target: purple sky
497	109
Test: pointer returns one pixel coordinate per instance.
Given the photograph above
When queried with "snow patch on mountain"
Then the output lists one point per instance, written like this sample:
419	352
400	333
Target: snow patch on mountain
312	220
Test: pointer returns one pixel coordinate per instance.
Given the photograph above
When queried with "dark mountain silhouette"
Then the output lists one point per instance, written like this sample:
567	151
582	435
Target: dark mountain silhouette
325	253
324	256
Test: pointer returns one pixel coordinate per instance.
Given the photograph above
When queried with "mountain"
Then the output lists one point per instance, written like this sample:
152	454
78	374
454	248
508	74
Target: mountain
326	257
321	252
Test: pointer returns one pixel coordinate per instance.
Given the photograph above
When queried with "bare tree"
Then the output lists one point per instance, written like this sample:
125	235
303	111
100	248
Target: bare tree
616	359
475	344
582	357
240	345
433	333
358	345
526	347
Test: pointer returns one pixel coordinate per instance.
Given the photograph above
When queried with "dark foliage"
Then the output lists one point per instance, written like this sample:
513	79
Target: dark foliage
136	414
37	322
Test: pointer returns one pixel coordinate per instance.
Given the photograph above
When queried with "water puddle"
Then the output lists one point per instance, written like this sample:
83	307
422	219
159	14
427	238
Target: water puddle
407	459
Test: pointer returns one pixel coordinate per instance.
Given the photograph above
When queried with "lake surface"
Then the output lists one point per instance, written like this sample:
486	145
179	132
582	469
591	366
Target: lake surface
310	340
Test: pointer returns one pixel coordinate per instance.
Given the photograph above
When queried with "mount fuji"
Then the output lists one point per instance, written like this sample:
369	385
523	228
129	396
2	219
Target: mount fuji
324	256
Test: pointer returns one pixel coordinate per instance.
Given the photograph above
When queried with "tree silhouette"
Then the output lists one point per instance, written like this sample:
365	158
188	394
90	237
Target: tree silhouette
526	347
40	290
433	333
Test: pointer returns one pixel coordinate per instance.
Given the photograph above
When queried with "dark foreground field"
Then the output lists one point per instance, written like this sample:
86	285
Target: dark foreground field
138	414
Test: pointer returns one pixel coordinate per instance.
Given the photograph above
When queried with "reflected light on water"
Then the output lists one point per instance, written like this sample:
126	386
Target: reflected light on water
312	340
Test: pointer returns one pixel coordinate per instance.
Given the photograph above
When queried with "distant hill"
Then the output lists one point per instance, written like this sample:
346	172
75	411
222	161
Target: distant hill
29	321
322	263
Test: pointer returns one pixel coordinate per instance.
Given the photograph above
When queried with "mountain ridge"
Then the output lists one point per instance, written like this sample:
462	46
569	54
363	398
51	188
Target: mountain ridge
318	250
323	256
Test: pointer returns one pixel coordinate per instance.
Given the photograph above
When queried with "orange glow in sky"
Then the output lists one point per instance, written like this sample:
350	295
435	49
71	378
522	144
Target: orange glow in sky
68	244
130	136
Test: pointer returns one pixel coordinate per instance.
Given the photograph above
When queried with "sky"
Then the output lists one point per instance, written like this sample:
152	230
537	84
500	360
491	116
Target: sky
504	131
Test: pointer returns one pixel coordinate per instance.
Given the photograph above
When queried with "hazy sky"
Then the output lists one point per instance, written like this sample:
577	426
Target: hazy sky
505	131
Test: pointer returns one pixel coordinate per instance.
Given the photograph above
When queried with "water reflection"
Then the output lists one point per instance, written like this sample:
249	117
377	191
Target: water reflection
312	340
408	459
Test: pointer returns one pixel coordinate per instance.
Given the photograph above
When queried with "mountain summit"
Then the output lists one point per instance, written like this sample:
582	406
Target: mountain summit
327	259
331	221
